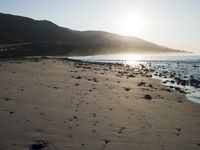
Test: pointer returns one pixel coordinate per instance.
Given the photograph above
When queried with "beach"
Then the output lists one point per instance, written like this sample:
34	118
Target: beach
61	104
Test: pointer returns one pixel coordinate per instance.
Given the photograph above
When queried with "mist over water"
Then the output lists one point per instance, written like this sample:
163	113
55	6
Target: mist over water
181	71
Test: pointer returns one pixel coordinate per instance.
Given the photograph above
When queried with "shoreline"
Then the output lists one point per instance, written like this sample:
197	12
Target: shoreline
65	104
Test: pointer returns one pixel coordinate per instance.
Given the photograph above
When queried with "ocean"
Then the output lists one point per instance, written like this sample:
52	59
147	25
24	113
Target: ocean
180	71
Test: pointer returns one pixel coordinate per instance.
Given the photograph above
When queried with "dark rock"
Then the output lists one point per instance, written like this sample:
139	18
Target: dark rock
181	91
183	82
7	99
177	88
168	90
195	83
77	84
38	145
171	75
106	141
79	77
94	80
142	83
179	101
150	85
127	89
164	82
11	112
75	117
147	97
131	76
172	81
148	75
195	66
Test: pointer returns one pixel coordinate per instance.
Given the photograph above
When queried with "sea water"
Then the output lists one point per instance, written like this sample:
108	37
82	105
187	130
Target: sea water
165	68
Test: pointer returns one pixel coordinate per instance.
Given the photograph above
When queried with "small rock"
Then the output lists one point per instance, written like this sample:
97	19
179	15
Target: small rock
150	85
11	112
177	88
7	99
38	145
142	83
147	97
172	81
106	141
79	77
131	76
168	90
75	117
127	89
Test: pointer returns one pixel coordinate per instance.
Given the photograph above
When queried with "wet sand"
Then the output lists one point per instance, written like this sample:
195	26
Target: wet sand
56	104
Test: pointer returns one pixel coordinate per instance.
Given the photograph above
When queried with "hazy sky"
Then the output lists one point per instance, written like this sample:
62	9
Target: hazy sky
172	23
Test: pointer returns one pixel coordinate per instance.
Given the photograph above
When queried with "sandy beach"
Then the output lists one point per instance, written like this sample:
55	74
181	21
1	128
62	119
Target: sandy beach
54	104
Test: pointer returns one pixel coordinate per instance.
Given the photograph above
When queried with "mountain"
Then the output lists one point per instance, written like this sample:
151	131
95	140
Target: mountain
22	36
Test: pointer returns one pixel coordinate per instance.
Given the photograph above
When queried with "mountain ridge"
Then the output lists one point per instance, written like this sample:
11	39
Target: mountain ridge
43	37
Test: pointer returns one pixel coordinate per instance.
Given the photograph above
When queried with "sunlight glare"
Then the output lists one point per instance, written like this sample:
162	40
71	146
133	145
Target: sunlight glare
131	24
131	59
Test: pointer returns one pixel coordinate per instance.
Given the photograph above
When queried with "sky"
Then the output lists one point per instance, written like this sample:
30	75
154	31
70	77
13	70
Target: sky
171	23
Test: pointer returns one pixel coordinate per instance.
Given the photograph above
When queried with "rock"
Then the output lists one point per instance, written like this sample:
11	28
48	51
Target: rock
94	80
142	83
38	145
127	89
79	77
195	66
11	112
177	88
147	97
36	59
172	81
168	90
164	82
130	75
150	85
181	91
106	141
75	117
7	99
179	101
195	83
183	82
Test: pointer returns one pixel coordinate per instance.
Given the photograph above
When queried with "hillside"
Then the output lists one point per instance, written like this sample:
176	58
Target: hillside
22	36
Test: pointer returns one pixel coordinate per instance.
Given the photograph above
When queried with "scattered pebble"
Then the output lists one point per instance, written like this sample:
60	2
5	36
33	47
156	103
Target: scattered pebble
142	83
127	89
38	145
147	97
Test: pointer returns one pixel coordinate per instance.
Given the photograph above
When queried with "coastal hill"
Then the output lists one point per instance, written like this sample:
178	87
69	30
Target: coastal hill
22	36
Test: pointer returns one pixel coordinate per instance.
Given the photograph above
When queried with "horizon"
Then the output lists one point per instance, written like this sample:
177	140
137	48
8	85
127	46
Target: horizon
142	19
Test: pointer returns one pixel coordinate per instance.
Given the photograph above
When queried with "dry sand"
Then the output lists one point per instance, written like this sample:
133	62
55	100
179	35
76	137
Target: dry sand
72	105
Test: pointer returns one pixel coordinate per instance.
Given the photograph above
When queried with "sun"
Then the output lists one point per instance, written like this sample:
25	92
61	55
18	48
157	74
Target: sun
131	24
